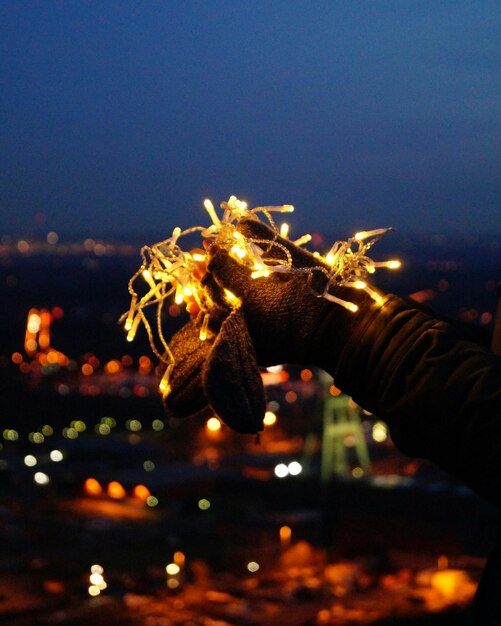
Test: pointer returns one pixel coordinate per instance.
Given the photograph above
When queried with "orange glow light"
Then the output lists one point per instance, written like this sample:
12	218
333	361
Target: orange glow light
17	358
115	490
306	375
92	487
334	391
179	558
285	533
142	492
113	367
87	369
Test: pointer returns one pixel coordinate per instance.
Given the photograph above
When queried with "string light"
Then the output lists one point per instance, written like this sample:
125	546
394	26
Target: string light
167	271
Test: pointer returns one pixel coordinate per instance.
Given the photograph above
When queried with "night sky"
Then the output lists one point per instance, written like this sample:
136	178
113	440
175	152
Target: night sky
118	118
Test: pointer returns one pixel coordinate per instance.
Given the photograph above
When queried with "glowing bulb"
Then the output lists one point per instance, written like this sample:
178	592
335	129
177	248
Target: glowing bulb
148	278
269	418
238	251
133	329
175	235
360	284
205	326
209	207
302	240
230	295
394	264
284	230
213	424
164	386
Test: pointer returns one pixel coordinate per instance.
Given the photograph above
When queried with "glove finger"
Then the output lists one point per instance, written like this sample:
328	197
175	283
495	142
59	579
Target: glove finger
224	271
232	381
187	396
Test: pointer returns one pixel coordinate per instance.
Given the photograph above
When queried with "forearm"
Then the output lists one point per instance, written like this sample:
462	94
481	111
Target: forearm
439	393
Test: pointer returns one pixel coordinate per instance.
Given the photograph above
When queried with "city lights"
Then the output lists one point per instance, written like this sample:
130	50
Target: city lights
96	580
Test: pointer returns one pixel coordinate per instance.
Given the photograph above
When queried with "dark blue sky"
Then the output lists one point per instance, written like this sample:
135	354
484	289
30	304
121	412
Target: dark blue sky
120	117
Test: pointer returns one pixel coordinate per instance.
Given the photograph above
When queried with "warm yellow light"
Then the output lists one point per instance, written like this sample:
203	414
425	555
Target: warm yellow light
179	558
205	327
172	569
329	259
133	329
284	230
198	257
352	307
96	579
209	207
360	284
302	240
394	264
238	251
379	432
148	278
34	322
213	424
269	418
164	387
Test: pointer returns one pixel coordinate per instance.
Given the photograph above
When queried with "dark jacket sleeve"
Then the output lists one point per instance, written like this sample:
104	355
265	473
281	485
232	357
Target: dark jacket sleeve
438	391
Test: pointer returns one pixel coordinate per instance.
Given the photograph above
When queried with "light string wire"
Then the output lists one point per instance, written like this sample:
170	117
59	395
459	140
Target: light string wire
167	270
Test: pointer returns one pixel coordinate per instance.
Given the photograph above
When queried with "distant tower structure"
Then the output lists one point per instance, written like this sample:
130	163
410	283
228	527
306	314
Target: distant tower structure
342	435
342	424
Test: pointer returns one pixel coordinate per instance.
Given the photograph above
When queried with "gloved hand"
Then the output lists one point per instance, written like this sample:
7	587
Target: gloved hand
284	313
279	319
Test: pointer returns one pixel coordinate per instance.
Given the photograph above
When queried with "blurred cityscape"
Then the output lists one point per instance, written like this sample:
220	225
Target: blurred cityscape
111	513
